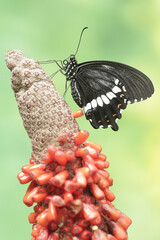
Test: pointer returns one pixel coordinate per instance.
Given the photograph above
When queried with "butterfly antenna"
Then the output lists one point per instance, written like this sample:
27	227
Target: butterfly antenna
80	40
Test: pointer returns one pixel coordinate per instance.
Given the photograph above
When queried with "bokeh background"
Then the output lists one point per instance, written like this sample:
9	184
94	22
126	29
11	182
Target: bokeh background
122	31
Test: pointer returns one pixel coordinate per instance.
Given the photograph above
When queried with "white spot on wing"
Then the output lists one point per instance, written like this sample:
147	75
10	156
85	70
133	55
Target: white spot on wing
135	100
116	81
124	89
99	101
128	102
116	89
110	95
87	107
105	99
94	103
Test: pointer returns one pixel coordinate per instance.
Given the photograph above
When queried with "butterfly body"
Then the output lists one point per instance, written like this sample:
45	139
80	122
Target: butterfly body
105	89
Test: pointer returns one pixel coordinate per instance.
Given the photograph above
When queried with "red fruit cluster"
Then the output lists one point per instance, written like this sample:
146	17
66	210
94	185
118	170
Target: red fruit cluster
72	195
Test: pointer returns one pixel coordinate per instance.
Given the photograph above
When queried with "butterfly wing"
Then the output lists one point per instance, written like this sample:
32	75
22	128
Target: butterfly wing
105	88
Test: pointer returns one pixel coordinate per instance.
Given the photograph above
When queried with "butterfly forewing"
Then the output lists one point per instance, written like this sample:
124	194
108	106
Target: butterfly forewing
102	95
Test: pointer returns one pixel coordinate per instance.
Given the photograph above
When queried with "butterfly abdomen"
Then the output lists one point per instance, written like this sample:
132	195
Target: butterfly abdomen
76	93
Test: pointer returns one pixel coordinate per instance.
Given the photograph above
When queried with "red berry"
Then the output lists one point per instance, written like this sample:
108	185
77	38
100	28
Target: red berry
89	212
102	157
83	223
111	212
26	167
42	218
53	226
124	221
46	158
30	167
43	234
35	230
50	188
60	157
36	173
70	186
96	191
38	208
68	198
44	178
76	230
51	149
80	178
31	186
59	179
53	236
65	230
85	170
97	220
81	152
104	173
110	181
111	237
59	169
31	161
69	222
86	235
28	197
81	137
39	197
100	164
78	190
118	231
103	183
78	113
82	197
58	201
99	234
32	217
70	155
94	153
94	146
24	178
52	212
108	194
63	137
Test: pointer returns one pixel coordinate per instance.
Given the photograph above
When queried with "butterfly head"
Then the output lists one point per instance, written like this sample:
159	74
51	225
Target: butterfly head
72	57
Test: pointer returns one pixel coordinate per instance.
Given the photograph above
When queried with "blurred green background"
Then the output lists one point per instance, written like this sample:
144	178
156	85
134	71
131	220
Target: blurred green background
126	31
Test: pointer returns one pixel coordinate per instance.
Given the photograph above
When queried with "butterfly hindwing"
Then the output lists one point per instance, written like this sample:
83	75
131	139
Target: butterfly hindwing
103	100
105	88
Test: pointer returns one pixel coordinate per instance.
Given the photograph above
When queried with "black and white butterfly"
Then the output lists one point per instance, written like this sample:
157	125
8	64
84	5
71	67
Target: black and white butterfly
105	88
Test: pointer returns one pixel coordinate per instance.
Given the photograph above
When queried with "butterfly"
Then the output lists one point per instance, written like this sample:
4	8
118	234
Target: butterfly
105	88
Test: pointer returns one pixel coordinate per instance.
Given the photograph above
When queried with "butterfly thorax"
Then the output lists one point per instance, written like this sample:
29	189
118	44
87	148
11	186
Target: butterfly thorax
70	67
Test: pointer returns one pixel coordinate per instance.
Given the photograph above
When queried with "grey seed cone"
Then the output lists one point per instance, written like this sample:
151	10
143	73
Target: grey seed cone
44	112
